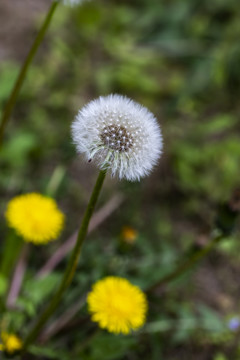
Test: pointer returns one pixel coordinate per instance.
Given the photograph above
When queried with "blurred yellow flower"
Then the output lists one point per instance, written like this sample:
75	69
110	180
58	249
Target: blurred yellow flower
35	217
10	343
129	235
117	305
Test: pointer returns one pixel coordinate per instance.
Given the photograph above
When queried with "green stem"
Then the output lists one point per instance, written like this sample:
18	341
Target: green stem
20	79
187	265
71	266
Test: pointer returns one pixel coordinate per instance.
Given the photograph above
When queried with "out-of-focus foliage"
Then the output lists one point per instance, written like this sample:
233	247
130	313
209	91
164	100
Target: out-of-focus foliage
182	60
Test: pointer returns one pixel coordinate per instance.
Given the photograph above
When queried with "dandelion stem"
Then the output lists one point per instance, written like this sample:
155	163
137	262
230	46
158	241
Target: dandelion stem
22	74
187	265
99	216
71	266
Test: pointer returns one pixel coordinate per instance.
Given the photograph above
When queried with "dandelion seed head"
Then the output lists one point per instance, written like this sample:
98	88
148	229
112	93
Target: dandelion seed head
117	305
35	217
120	135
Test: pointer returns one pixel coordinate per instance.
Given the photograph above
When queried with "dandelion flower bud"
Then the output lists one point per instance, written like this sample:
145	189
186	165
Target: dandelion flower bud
117	305
128	235
120	135
35	217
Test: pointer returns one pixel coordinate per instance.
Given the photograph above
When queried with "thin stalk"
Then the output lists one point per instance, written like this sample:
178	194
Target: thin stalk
18	277
71	266
100	216
22	74
187	265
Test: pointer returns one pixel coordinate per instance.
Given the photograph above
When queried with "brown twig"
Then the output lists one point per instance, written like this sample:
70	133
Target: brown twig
67	246
17	278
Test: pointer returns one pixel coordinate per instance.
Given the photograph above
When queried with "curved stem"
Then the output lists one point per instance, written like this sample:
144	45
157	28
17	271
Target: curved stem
187	265
20	79
71	266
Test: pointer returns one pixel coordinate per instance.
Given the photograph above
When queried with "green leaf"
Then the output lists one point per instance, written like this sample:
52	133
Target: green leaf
17	149
110	347
11	249
49	352
3	284
210	319
220	356
37	290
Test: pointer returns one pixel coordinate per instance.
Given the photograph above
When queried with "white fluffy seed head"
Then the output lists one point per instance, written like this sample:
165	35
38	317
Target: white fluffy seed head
120	135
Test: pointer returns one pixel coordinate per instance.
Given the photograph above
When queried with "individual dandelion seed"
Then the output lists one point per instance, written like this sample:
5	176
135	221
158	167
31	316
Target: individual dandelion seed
10	343
117	305
120	135
35	217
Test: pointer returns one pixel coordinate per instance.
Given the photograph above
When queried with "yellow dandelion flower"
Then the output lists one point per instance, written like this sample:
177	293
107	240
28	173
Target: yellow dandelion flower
129	235
117	305
10	343
35	217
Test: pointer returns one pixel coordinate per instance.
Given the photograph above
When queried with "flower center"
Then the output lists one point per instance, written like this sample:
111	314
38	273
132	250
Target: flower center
116	138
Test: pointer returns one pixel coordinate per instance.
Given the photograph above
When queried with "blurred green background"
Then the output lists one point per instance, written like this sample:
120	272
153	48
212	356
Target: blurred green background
181	59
